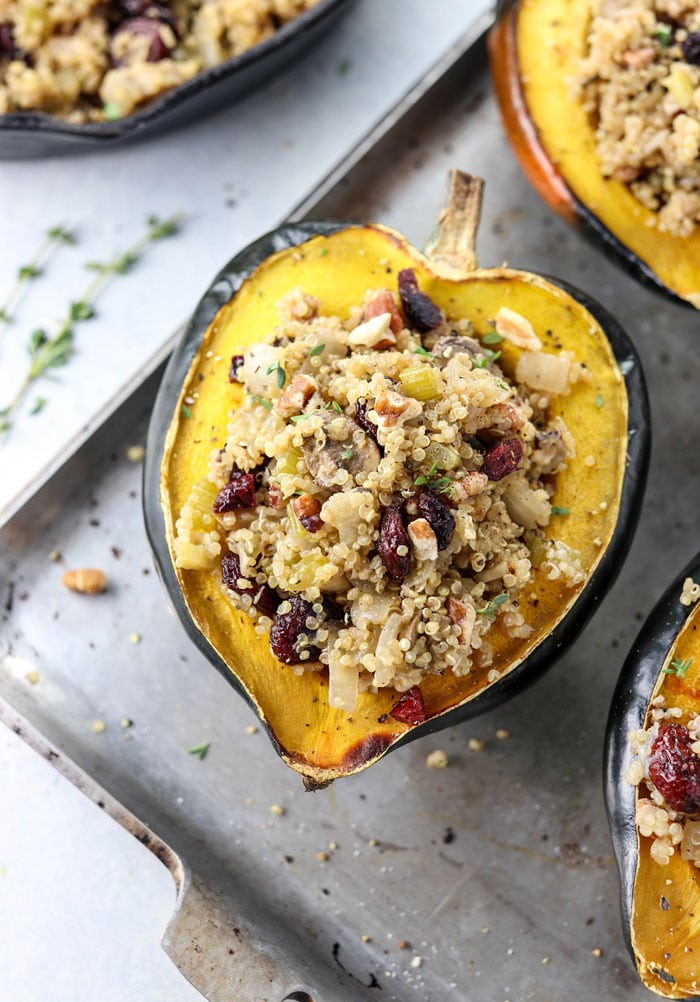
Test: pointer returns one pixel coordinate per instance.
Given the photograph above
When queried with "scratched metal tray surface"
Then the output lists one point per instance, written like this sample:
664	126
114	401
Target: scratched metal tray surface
489	880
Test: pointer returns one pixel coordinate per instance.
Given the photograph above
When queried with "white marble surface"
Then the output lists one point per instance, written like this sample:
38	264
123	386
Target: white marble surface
82	905
233	175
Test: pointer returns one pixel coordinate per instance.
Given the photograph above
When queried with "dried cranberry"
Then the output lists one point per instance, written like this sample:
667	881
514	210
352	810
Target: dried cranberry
502	458
238	493
438	516
236	362
287	630
150	28
410	709
674	768
392	535
364	422
264	598
422	313
7	42
691	48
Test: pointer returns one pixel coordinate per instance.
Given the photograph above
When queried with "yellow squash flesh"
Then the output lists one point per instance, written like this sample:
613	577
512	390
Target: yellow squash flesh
666	941
324	743
536	50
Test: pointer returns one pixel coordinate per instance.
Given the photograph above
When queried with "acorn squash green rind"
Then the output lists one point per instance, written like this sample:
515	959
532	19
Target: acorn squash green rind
361	750
639	678
555	146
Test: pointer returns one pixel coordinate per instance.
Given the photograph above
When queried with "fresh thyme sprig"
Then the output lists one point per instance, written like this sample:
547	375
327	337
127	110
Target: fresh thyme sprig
47	352
441	484
678	667
32	269
491	608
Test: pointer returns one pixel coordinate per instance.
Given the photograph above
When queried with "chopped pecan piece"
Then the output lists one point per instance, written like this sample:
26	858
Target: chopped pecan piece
423	539
517	329
275	498
637	59
463	615
392	408
375	333
307	508
384	302
296	395
470	485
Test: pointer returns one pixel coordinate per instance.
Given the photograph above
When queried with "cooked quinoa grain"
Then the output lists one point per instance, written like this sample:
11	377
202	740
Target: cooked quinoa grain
382	495
90	60
640	82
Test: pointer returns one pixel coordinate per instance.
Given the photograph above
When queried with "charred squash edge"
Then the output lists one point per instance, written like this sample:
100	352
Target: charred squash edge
225	285
628	710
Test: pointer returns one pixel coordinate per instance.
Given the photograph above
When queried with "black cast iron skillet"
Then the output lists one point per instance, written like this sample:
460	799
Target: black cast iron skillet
25	135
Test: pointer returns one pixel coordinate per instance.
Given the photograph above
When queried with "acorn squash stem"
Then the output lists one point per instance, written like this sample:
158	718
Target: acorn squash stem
452	247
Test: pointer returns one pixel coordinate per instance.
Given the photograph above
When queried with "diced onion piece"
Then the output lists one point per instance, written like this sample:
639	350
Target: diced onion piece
540	371
342	683
254	371
374	612
525	506
422	382
690	844
307	571
287	462
388	654
195	556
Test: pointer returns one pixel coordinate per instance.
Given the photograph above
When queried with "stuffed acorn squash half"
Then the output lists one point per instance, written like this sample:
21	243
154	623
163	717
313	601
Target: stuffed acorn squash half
601	105
653	791
386	489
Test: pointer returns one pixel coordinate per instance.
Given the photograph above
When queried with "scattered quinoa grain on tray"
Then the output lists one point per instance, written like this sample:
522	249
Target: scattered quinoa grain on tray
640	82
382	495
91	61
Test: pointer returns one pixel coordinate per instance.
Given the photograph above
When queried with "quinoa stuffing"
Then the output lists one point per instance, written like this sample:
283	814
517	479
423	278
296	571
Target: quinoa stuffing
382	495
666	769
640	83
91	61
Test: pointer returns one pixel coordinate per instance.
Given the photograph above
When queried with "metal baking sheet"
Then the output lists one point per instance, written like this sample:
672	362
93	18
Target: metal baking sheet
489	880
232	175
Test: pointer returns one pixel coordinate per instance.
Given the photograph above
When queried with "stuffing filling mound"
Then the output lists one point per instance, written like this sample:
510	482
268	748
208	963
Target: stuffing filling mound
667	769
91	61
640	82
381	498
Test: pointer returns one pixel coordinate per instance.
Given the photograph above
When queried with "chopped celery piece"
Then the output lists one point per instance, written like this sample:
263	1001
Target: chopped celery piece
422	382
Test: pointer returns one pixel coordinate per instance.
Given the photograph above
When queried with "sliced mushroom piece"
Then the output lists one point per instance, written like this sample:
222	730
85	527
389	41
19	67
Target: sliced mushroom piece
340	445
453	344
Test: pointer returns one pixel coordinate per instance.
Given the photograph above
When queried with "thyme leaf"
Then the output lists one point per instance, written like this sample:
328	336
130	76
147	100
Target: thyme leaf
200	750
490	610
316	350
34	267
492	337
678	667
